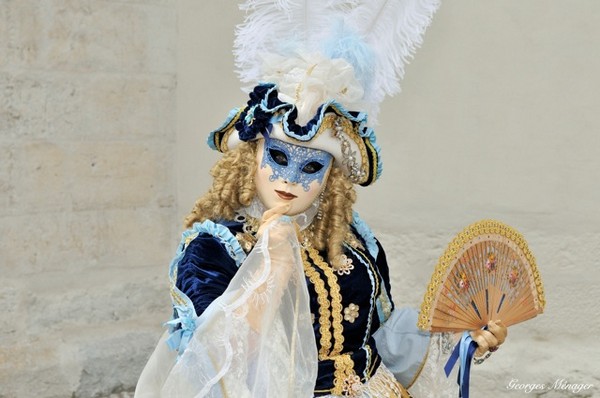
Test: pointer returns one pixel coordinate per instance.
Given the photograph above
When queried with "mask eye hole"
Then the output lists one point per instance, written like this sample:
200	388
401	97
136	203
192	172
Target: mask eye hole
312	167
278	156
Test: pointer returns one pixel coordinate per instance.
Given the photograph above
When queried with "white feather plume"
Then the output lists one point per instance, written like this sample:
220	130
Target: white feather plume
279	27
393	29
378	37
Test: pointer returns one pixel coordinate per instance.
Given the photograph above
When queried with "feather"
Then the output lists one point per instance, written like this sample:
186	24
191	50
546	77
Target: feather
279	27
376	37
393	29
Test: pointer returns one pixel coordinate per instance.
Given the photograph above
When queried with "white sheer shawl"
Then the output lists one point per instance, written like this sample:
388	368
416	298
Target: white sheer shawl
256	340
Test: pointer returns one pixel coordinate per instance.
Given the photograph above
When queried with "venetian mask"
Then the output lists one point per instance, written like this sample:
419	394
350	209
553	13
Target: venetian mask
289	173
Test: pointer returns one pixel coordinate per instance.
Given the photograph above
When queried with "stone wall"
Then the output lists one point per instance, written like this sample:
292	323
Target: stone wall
87	191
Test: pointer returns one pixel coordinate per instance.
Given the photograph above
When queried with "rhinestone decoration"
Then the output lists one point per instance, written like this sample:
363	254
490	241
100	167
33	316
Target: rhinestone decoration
356	172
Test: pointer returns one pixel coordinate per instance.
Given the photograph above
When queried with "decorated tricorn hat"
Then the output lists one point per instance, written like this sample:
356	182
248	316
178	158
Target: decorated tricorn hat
316	69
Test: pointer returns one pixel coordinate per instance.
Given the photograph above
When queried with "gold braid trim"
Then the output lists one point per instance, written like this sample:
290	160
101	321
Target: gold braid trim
175	296
336	300
324	313
483	227
343	374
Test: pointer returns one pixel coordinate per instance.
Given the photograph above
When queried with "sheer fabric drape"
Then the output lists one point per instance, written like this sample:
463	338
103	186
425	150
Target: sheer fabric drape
256	340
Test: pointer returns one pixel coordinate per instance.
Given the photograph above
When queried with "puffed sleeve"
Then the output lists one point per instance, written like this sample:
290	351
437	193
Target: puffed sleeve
204	271
415	357
402	346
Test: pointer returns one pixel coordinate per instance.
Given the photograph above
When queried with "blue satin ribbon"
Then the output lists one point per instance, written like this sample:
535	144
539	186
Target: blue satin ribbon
179	338
465	350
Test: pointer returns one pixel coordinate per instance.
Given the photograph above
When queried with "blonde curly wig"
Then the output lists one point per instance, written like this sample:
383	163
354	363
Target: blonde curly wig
233	188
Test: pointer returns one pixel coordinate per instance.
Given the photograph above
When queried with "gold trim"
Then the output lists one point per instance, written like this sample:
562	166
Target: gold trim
370	365
344	371
336	300
456	246
225	132
175	296
324	313
374	163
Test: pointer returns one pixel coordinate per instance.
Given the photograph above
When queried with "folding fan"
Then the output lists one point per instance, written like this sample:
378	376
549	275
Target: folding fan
486	273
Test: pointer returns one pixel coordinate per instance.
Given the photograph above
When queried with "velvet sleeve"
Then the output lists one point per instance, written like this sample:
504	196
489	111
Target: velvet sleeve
204	271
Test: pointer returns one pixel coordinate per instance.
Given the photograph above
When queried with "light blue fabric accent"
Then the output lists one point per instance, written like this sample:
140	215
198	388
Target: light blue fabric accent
211	136
223	234
179	339
365	232
264	104
184	313
402	346
380	312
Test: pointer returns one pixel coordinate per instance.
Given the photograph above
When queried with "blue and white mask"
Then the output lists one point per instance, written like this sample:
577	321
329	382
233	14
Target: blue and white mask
295	164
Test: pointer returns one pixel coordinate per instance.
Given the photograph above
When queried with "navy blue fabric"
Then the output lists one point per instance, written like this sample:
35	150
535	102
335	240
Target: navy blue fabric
206	269
255	118
261	106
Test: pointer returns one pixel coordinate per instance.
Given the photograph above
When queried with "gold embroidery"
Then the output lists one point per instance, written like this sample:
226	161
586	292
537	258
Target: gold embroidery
323	301
336	300
247	238
353	241
344	375
247	241
351	312
352	386
345	267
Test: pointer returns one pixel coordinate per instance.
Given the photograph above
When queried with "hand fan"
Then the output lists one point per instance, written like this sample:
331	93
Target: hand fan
486	273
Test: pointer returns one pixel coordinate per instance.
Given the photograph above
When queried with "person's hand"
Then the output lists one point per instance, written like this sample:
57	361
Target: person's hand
271	216
279	243
490	339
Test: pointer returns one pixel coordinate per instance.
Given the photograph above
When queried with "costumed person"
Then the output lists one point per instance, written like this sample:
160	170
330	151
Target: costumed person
279	289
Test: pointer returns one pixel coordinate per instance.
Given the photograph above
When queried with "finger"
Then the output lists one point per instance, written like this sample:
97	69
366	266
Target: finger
271	216
498	329
490	339
482	344
276	211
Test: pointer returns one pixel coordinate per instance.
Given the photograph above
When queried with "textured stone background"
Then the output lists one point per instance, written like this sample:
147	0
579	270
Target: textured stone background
104	109
87	191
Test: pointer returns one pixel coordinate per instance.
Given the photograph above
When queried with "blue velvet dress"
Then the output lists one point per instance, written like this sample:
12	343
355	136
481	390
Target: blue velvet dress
347	305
